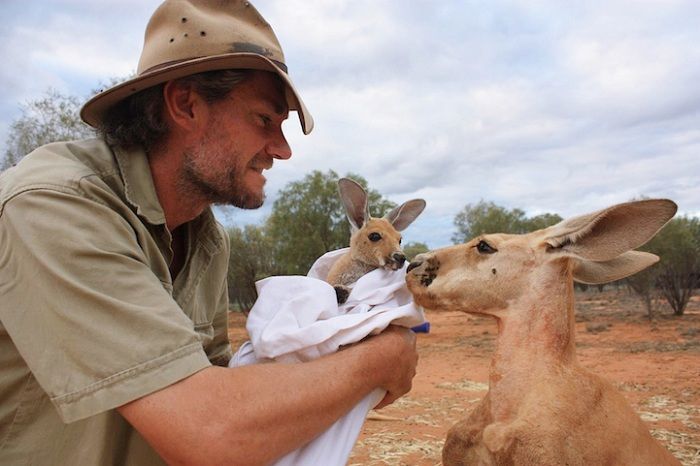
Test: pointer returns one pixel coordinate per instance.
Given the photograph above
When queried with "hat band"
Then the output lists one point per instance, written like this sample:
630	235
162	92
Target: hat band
160	66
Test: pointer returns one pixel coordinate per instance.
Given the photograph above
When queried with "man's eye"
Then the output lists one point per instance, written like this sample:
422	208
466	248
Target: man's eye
266	120
485	248
374	236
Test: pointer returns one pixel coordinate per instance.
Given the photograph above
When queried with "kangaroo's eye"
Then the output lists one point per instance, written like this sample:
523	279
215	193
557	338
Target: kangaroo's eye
400	240
374	236
485	248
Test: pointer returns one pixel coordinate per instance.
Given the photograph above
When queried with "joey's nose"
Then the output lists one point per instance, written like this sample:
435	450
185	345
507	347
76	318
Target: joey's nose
413	265
399	258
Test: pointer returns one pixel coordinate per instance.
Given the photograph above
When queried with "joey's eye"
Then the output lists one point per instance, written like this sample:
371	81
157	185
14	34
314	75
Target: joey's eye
400	240
374	236
485	248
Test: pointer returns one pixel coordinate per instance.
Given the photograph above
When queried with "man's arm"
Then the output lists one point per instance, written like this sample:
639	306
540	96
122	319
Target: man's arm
256	414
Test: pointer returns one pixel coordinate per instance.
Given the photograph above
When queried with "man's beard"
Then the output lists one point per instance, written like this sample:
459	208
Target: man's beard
223	187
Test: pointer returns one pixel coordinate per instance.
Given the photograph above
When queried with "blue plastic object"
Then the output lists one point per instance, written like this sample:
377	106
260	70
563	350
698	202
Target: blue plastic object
422	328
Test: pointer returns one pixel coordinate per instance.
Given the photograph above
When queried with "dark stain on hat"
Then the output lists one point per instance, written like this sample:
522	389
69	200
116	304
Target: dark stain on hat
247	47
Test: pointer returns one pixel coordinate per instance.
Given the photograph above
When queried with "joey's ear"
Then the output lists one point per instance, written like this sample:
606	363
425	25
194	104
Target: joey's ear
624	265
604	235
354	199
402	216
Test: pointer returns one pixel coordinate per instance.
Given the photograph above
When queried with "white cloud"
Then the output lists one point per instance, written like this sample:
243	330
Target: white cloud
543	105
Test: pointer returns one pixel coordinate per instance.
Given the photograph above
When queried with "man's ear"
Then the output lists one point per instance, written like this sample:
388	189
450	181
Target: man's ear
608	233
183	106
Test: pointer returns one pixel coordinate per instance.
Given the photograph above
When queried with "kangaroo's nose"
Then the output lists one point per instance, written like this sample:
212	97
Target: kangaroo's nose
413	265
399	258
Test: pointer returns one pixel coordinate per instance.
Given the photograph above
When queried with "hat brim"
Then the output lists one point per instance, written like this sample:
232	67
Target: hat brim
94	109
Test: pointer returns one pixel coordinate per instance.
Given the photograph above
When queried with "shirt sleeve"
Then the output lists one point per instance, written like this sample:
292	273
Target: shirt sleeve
90	318
220	352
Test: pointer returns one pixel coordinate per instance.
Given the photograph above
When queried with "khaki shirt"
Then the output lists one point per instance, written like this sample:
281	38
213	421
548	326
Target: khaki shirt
90	318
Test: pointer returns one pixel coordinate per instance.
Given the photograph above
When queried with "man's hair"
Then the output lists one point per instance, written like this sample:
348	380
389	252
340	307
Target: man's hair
138	119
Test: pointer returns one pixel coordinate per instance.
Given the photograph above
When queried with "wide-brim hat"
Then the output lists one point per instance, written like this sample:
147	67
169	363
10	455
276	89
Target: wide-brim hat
185	37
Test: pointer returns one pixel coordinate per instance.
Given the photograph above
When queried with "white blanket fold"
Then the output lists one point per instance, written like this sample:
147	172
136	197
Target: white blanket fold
297	319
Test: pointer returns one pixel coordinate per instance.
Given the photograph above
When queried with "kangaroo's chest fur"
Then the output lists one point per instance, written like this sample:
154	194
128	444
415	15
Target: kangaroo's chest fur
347	270
554	424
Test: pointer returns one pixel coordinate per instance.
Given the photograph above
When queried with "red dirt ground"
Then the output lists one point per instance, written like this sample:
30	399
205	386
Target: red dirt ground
655	364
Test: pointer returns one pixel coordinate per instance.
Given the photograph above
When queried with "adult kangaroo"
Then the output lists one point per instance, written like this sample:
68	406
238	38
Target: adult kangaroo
542	407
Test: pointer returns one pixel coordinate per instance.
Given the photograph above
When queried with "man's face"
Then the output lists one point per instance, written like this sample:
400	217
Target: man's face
242	138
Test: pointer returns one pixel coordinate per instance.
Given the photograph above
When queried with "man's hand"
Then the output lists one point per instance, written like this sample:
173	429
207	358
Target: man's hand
398	346
252	415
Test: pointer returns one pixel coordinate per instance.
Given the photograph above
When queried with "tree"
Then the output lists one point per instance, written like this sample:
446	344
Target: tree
53	117
251	259
539	222
694	227
678	245
414	248
487	217
308	220
676	275
644	285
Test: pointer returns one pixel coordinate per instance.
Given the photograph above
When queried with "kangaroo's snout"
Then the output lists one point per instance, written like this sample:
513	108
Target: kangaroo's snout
418	261
399	258
413	265
423	269
395	261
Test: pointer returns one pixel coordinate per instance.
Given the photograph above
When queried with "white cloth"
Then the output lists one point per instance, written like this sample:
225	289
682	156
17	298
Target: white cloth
298	319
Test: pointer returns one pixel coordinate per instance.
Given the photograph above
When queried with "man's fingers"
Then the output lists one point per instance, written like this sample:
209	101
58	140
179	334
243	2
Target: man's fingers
400	349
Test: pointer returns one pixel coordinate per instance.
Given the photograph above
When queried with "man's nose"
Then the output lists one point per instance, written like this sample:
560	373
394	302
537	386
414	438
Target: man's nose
279	147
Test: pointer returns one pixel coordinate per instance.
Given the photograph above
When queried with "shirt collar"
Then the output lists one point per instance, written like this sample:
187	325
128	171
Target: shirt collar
138	184
141	194
205	229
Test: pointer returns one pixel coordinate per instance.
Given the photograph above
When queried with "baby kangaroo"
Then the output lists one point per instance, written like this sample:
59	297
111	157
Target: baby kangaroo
374	242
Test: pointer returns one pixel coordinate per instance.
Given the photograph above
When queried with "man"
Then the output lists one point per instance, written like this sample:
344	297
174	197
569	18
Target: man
113	271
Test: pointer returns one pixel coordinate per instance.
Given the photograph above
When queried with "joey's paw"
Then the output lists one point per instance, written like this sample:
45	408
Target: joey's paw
341	293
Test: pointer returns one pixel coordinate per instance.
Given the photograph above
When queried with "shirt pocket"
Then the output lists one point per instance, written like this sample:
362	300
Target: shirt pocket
201	309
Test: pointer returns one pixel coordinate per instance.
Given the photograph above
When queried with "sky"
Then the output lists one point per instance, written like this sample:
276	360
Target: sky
542	105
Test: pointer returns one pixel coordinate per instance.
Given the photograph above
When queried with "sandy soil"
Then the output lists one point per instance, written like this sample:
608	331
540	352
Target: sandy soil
655	364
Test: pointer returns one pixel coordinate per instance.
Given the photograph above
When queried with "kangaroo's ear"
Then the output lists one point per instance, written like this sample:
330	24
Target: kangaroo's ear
624	265
402	216
604	235
354	199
